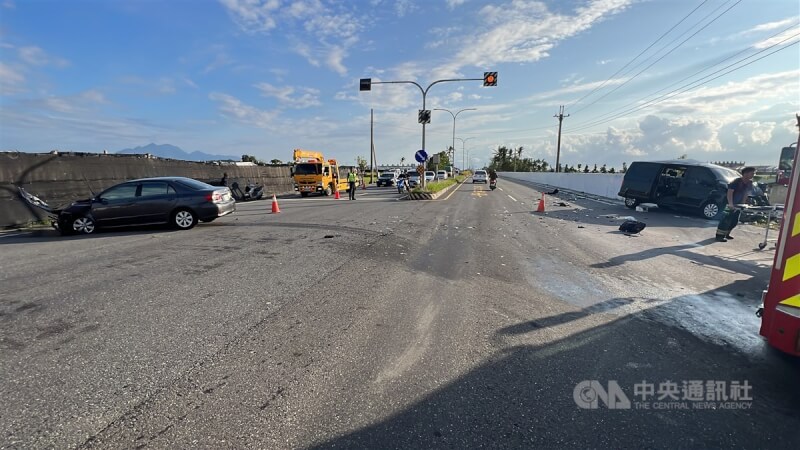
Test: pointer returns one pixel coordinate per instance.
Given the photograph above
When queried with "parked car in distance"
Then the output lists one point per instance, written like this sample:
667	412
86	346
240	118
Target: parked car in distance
178	201
413	179
430	175
387	179
441	175
480	176
680	184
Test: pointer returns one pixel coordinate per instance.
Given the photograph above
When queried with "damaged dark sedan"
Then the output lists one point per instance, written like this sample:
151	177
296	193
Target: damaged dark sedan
177	201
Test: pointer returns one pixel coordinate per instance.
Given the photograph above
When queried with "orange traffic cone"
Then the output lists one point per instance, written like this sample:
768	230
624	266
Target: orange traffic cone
336	196
275	208
541	205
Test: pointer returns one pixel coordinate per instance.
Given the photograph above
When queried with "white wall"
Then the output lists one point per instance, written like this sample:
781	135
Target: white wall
601	184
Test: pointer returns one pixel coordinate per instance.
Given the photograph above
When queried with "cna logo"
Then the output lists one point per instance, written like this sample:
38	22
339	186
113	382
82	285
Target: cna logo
589	393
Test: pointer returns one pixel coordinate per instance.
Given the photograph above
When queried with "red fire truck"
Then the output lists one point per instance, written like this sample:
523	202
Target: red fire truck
780	312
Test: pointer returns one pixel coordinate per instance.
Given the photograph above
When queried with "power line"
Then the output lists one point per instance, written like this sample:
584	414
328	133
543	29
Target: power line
637	56
663	56
690	87
613	112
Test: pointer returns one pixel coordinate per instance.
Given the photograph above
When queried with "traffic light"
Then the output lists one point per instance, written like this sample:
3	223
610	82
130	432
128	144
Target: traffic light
490	78
366	84
424	116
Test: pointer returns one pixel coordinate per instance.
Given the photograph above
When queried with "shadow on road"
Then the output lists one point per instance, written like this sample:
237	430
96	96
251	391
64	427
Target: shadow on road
523	397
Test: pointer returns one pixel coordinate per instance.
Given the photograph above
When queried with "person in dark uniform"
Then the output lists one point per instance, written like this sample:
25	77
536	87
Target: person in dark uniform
739	190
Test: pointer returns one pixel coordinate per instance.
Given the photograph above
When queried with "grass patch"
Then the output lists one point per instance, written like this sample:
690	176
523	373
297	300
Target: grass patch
433	187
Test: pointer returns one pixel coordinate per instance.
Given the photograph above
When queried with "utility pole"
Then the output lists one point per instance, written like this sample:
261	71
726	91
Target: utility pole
373	159
560	117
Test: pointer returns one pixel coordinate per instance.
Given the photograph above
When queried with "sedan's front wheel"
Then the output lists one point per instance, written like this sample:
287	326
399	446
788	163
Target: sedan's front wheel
184	219
83	225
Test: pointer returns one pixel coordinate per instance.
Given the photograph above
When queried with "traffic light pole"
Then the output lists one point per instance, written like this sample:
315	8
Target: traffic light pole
424	95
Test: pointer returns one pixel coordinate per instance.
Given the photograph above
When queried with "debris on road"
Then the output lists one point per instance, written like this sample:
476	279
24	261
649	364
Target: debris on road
632	226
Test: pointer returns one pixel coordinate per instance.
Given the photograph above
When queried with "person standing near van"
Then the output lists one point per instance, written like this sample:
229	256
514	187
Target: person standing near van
351	181
739	190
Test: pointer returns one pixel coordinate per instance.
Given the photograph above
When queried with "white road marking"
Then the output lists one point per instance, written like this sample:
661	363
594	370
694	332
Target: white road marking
512	198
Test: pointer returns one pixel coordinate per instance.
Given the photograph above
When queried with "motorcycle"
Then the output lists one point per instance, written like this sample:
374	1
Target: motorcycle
253	192
493	184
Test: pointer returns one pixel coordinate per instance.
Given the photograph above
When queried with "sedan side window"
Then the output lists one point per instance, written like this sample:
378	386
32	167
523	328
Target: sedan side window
124	192
154	189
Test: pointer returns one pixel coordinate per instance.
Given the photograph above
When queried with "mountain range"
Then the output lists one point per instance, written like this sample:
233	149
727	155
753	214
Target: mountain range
173	152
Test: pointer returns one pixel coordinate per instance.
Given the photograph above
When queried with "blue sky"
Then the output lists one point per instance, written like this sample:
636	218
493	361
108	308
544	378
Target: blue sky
263	77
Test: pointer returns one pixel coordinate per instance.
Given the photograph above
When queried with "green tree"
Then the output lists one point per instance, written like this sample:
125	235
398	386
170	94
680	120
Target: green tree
276	162
612	170
595	169
361	162
603	169
586	169
249	158
444	160
624	167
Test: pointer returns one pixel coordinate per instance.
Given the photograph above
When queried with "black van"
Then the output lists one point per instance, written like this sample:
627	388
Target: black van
679	184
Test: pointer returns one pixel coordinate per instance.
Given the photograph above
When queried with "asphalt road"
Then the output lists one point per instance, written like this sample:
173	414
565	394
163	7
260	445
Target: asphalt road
463	322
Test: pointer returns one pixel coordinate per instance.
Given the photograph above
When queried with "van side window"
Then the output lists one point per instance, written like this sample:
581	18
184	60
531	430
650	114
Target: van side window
643	172
701	176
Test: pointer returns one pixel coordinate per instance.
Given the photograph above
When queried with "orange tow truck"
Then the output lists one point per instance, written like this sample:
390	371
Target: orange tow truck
313	174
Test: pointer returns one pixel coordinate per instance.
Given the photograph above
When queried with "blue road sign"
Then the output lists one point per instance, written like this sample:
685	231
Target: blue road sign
421	156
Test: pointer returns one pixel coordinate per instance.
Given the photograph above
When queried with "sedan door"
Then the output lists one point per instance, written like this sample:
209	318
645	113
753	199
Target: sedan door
115	206
155	201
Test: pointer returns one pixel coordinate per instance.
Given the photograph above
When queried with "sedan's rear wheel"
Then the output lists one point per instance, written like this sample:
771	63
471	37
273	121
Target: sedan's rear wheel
83	225
184	219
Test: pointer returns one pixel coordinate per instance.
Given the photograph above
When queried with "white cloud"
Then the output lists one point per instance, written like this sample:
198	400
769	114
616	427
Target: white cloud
328	24
253	16
11	79
771	26
334	60
755	132
785	36
166	86
234	108
9	4
452	4
524	31
93	96
35	56
190	83
404	7
723	99
306	97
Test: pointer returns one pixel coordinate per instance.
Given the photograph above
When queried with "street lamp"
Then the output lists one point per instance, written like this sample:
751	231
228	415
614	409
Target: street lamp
454	123
463	160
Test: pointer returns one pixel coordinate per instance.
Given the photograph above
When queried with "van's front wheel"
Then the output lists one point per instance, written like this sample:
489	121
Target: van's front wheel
631	202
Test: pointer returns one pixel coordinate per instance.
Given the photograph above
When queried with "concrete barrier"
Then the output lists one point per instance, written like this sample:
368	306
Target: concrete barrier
600	184
62	178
